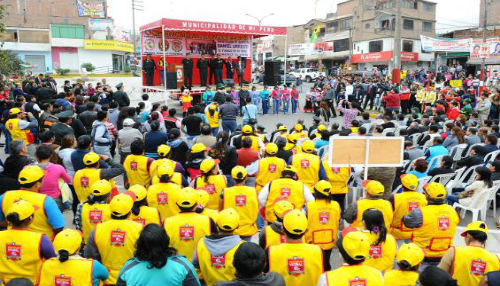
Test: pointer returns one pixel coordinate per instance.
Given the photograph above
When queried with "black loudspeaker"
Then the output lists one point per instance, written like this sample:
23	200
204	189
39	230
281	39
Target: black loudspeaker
272	73
171	80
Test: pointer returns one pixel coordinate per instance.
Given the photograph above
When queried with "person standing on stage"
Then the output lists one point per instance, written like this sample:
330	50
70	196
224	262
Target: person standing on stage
148	66
240	69
218	66
161	64
211	64
187	64
202	66
229	68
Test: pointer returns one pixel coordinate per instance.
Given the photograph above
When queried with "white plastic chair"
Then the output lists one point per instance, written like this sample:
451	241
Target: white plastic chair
422	182
399	128
414	138
454	182
457	151
443	179
467	174
491	156
411	166
492	198
387	130
482	200
435	162
470	148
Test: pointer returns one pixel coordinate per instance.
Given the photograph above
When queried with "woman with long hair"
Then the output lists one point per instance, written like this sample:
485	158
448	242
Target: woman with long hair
226	154
155	262
382	245
481	185
457	136
141	212
84	272
324	111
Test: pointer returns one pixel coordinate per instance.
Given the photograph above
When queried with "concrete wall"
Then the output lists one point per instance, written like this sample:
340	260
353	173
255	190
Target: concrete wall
493	13
98	58
48	58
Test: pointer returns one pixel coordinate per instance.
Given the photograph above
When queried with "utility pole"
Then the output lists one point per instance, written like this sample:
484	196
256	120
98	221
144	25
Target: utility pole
137	5
485	24
396	70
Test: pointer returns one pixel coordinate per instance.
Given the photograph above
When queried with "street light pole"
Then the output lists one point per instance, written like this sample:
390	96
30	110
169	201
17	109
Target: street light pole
396	69
485	24
259	20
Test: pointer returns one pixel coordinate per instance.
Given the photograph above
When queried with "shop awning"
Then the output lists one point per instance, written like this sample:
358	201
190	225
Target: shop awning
454	55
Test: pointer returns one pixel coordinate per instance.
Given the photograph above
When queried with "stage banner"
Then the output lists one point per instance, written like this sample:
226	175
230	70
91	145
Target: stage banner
91	9
201	46
100	24
445	45
234	48
150	45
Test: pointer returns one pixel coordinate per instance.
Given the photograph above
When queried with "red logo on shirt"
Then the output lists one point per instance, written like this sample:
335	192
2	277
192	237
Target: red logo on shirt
478	267
186	232
335	170
84	181
61	280
140	220
133	165
210	189
285	192
272	168
11	126
240	200
218	261
95	216
443	223
282	238
304	163
375	251
118	237
357	282
324	217
296	266
162	198
412	206
13	251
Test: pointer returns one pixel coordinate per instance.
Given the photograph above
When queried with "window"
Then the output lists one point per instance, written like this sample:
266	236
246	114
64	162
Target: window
68	31
427	26
383	5
429	7
386	25
345	24
26	36
407	46
367	26
410	4
9	36
407	24
321	32
341	45
375	46
332	27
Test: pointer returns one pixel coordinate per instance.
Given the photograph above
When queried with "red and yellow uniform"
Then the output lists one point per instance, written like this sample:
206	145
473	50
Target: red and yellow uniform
270	169
284	188
244	200
146	216
353	275
74	271
379	204
323	223
91	215
404	203
337	177
307	166
155	164
216	268
213	120
17	133
185	230
381	256
163	196
186	99
137	168
83	180
471	263
213	186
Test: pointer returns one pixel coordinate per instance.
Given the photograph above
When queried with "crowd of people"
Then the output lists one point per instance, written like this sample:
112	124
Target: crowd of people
150	198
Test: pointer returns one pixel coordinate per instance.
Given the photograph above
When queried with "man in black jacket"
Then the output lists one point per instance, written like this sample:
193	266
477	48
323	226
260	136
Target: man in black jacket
120	96
45	94
211	65
240	67
229	68
202	66
218	66
148	65
187	64
88	117
476	157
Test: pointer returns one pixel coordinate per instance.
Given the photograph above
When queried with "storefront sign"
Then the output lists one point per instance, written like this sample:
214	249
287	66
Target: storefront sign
308	49
172	24
445	45
372	57
409	57
108	45
91	9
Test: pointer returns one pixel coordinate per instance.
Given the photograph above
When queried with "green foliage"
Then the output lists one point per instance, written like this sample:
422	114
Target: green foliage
61	71
9	63
126	69
3	8
88	66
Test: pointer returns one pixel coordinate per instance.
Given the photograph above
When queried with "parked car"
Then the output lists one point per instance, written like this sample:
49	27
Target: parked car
290	79
362	73
307	74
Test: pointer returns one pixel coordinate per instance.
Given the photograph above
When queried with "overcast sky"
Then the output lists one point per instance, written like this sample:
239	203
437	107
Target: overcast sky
451	14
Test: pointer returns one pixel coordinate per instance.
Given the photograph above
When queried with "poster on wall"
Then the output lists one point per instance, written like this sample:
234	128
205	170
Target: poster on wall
308	49
150	45
233	48
489	50
200	47
173	46
91	9
100	24
445	45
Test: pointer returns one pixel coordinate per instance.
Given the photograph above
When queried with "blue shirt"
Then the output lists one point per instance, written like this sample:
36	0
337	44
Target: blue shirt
418	174
177	271
99	272
264	94
77	160
54	216
249	111
153	139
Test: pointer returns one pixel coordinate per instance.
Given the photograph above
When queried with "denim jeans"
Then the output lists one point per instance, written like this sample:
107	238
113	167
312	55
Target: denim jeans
229	126
161	76
265	106
215	131
190	139
295	104
276	106
8	139
286	104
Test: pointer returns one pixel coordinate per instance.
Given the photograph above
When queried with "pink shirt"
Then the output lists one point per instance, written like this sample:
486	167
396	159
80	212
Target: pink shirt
50	182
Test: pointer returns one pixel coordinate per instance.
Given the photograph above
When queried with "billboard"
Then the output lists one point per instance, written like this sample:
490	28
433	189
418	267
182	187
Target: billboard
100	24
91	9
108	45
445	45
308	49
489	50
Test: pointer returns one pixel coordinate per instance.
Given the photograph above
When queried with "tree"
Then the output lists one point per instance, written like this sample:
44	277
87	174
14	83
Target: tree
9	62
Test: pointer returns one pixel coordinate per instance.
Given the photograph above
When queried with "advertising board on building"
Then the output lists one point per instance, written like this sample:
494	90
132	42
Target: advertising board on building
91	9
108	45
445	45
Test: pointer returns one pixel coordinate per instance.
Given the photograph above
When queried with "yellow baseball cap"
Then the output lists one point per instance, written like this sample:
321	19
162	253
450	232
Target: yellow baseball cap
90	158
165	169
247	129
295	222
69	240
271	148
298	127
23	208
203	197
30	174
187	198
323	187
121	204
163	150
308	146
282	128
435	191
207	165
374	188
228	220
14	111
356	245
410	252
239	172
293	137
281	207
476	226
212	107
409	181
290	169
101	188
321	127
139	191
198	147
